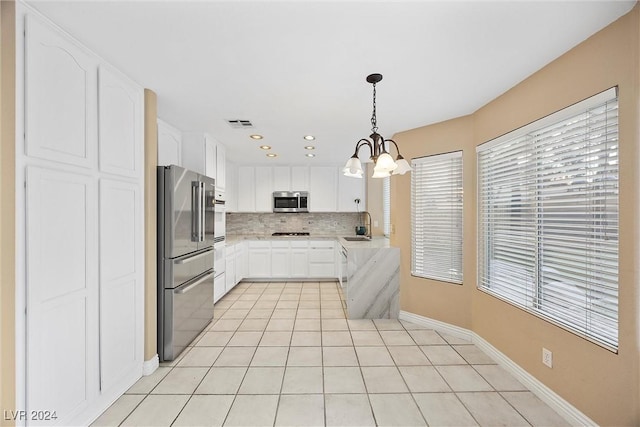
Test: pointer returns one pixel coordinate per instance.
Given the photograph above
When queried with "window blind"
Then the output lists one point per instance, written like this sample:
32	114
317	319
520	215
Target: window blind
436	217
548	218
386	206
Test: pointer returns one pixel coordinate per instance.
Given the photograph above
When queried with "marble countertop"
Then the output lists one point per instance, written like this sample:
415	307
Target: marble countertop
375	243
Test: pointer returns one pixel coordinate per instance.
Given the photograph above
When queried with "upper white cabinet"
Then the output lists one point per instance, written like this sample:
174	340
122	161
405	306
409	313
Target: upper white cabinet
221	167
61	98
203	154
231	187
246	189
323	188
299	178
282	178
349	189
329	190
169	145
199	153
264	189
120	117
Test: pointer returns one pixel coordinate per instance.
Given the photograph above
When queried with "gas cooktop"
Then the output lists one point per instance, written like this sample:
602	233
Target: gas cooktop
290	233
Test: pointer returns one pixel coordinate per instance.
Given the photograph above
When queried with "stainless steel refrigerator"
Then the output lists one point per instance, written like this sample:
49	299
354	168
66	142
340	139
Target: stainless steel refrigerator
186	220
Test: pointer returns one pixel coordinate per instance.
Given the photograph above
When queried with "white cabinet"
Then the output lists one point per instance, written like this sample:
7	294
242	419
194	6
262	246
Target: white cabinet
246	189
221	167
83	209
231	187
199	153
323	187
281	178
169	145
264	189
242	261
299	259
280	254
349	189
230	270
299	178
61	98
259	259
322	260
329	190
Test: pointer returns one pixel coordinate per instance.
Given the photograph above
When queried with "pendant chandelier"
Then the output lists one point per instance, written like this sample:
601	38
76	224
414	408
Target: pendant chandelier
384	163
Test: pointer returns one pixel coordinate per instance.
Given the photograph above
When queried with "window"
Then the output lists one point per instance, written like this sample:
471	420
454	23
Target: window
386	206
548	218
436	217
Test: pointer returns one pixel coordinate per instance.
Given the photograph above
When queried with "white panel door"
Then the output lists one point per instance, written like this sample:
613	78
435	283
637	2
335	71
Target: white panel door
282	178
169	145
221	167
210	159
121	287
323	186
300	178
120	125
62	292
246	189
60	104
264	189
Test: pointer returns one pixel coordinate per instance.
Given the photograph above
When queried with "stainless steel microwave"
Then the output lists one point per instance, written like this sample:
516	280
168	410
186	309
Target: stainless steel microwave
290	201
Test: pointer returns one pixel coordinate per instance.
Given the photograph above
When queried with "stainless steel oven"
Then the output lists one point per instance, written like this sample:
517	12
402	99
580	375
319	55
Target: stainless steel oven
290	201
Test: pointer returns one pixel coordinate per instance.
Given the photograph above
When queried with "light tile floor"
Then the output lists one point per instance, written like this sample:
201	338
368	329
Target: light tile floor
284	354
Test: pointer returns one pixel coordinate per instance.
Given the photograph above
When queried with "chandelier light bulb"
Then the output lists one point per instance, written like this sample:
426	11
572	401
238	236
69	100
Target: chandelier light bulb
385	162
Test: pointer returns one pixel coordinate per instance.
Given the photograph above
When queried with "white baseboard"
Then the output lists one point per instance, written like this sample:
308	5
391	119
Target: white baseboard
149	366
544	393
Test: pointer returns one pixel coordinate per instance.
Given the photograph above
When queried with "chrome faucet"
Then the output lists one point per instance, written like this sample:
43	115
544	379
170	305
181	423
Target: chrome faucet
369	227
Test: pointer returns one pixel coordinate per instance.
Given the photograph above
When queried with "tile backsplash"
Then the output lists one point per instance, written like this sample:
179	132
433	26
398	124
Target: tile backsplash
319	223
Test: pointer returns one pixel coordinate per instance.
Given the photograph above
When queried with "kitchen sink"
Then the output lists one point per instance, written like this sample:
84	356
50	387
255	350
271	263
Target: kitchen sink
356	239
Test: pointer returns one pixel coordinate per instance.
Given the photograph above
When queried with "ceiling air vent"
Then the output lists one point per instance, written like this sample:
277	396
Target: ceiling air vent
240	124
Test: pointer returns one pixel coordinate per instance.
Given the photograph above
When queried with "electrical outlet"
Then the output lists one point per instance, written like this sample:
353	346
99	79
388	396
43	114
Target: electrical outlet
375	223
547	357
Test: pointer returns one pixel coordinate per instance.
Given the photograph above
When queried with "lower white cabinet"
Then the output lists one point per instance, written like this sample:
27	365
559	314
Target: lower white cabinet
299	259
230	270
284	259
280	259
259	259
242	261
322	260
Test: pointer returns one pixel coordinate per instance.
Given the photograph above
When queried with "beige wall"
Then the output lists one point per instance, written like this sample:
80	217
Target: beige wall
150	232
603	385
7	213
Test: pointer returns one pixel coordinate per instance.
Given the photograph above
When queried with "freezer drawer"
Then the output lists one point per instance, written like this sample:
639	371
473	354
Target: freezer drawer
188	309
179	270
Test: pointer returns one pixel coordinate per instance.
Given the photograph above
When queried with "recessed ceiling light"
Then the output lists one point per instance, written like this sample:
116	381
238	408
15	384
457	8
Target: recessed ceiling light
310	155
309	147
271	155
309	137
265	147
256	136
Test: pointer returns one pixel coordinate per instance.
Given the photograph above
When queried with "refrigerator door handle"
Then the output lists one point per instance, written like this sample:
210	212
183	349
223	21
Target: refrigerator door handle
201	210
195	211
193	257
187	287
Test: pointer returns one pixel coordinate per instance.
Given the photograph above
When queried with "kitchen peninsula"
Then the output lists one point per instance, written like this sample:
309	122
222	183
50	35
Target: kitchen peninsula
372	287
369	269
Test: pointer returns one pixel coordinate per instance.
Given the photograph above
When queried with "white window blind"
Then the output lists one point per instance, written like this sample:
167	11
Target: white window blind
548	218
436	217
386	206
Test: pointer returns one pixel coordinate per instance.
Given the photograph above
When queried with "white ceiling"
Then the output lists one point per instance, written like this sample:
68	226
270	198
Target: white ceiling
298	67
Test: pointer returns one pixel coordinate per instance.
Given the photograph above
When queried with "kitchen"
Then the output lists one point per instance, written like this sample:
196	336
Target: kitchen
96	166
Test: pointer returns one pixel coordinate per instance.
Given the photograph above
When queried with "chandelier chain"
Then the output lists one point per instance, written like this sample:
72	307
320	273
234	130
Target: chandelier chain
374	121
